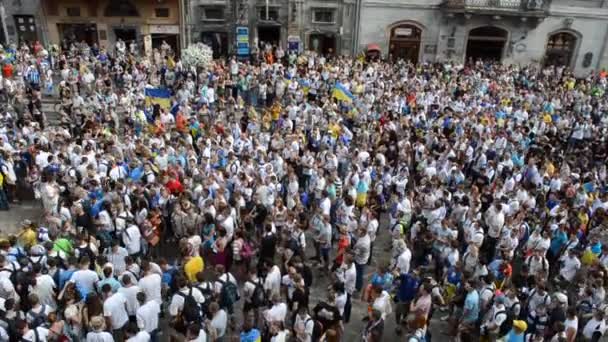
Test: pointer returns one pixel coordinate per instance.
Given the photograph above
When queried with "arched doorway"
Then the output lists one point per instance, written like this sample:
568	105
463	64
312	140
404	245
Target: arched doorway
405	42
486	43
560	49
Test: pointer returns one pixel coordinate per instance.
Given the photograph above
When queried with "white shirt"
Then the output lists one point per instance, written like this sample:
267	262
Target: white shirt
151	285
45	290
177	301
115	308
132	239
142	336
276	313
219	323
85	279
592	326
362	249
30	335
403	261
570	266
147	316
130	294
102	336
307	325
272	282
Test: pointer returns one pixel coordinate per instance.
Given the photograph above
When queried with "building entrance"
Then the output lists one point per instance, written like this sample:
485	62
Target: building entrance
486	43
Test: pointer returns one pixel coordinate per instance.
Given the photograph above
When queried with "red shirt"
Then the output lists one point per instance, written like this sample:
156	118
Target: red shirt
174	186
7	70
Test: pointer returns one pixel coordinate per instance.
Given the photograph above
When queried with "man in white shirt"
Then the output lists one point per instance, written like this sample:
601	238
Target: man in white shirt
84	278
177	301
277	313
219	321
403	260
37	334
134	334
130	291
303	325
151	283
272	283
132	240
147	316
362	253
570	265
115	312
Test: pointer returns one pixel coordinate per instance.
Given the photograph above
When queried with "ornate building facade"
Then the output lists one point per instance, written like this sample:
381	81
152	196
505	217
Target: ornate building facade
323	25
559	32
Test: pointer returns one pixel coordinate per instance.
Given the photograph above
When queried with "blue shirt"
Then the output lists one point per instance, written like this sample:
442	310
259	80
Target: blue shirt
112	281
471	306
408	287
558	241
514	337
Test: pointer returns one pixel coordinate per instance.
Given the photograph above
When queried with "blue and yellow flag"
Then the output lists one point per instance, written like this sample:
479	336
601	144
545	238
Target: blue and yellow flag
341	93
159	96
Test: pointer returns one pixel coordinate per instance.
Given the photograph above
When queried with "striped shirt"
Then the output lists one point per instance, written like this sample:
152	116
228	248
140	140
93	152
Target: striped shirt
33	76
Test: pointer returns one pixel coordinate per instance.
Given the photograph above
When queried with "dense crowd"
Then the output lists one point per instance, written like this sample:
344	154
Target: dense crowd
212	218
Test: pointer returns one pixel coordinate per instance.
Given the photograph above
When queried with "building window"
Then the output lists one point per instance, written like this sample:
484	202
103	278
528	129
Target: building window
161	12
213	13
273	14
121	8
73	11
323	16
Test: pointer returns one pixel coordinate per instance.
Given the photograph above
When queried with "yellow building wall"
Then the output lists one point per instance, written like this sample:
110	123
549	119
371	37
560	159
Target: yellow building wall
144	22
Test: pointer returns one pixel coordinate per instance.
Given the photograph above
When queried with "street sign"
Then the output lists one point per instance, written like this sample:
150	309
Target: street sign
242	41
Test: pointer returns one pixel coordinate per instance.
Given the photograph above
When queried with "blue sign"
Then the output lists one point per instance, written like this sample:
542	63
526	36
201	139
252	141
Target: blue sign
242	41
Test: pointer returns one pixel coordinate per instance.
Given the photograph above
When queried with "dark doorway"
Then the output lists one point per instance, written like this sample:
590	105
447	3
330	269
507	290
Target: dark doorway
171	39
560	49
270	35
26	28
218	41
405	42
76	33
486	43
324	44
126	34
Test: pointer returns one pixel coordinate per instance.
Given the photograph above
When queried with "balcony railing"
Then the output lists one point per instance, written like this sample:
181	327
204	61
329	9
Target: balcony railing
501	5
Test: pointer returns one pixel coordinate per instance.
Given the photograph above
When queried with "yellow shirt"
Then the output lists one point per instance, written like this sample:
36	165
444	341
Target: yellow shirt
193	266
27	238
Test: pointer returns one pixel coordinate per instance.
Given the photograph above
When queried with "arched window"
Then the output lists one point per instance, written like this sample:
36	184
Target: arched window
121	8
560	48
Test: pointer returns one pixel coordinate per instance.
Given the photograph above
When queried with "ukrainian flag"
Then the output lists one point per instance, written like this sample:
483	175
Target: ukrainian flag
159	96
341	93
305	84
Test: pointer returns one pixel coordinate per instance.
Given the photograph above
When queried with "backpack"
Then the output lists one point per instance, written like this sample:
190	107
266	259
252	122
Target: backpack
247	251
506	325
259	298
317	330
39	318
228	295
191	312
36	336
294	244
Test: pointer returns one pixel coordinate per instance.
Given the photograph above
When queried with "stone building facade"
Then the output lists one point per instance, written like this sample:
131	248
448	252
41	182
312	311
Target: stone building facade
22	20
323	25
558	32
104	22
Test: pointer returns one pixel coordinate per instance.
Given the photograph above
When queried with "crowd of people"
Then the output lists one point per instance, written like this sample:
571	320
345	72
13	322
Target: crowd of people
472	193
